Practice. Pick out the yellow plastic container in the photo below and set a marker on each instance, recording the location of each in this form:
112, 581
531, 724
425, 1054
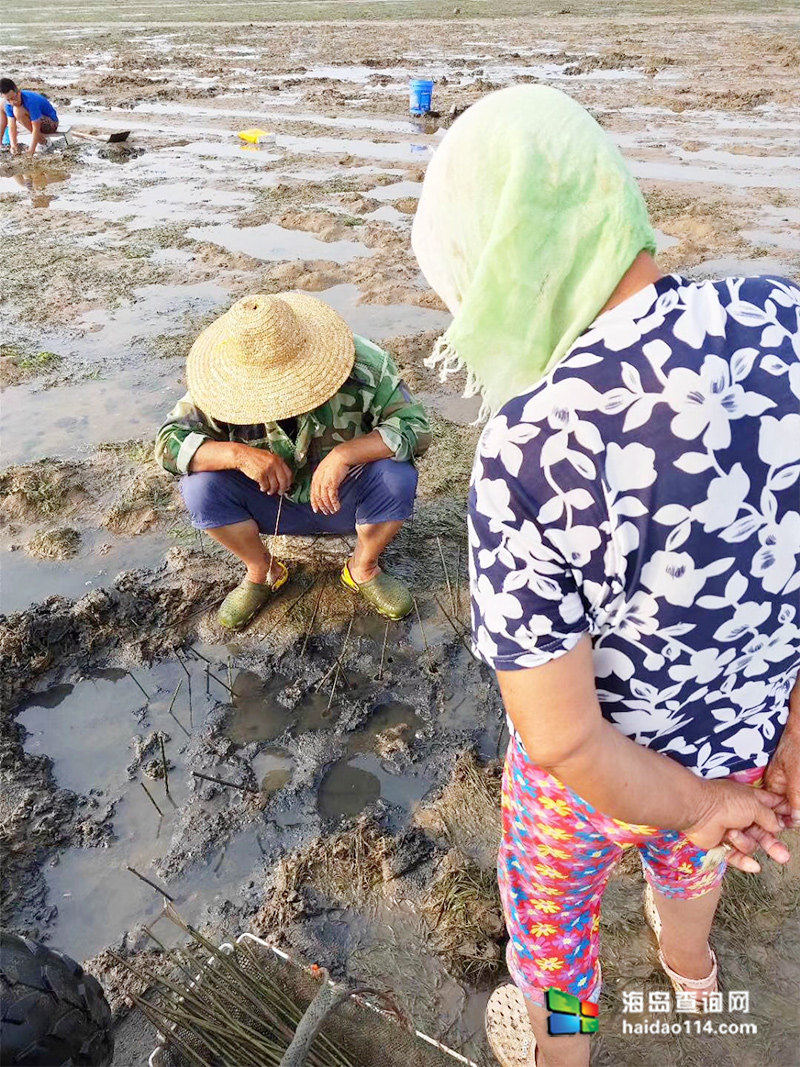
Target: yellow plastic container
256, 136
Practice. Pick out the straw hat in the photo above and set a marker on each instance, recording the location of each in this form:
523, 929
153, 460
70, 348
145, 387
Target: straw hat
268, 358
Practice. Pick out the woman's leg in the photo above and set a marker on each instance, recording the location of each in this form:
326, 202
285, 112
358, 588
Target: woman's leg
685, 927
553, 868
686, 893
563, 1050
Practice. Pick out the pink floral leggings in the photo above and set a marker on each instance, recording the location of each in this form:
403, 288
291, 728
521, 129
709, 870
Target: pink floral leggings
556, 856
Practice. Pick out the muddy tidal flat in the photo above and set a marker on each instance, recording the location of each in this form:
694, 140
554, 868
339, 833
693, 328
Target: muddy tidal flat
361, 828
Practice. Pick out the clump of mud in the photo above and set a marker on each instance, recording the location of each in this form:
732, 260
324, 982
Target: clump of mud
148, 613
39, 489
63, 543
142, 501
17, 365
345, 868
467, 812
464, 911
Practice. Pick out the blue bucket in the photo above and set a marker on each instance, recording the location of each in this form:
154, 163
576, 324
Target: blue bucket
420, 96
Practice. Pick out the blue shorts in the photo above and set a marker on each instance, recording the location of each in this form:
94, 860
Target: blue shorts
382, 491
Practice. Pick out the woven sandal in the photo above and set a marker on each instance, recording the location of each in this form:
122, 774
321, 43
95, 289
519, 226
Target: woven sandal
701, 987
508, 1028
389, 596
244, 602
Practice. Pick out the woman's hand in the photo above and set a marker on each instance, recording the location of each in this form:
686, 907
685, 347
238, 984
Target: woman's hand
271, 473
783, 770
325, 483
742, 817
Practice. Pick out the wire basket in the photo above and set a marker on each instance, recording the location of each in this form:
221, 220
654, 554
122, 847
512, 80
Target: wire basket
366, 1032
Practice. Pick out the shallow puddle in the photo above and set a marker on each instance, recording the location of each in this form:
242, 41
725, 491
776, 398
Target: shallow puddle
381, 321
122, 395
150, 311
101, 714
257, 714
98, 899
96, 896
387, 213
395, 716
273, 769
741, 179
102, 556
737, 268
401, 151
155, 205
664, 241
353, 784
68, 421
786, 240
395, 191
271, 243
35, 183
346, 790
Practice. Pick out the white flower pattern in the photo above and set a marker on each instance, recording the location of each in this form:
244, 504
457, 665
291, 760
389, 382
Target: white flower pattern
647, 493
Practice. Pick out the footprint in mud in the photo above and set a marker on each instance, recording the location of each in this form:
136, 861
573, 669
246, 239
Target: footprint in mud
257, 714
346, 790
360, 778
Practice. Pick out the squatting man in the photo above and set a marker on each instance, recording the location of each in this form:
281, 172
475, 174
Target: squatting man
293, 425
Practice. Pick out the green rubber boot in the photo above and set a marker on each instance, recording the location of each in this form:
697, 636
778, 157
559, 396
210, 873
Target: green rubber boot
244, 602
389, 596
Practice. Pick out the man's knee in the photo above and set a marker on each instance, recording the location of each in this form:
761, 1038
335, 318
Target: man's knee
202, 492
398, 479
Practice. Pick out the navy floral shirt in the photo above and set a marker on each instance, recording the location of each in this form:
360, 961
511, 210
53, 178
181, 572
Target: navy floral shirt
647, 492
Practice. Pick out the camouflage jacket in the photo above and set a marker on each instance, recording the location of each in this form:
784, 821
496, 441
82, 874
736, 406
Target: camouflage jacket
374, 397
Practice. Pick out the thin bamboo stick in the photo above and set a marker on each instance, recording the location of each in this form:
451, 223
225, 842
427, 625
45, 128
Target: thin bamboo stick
152, 885
152, 799
459, 634
222, 781
444, 568
136, 682
164, 761
383, 651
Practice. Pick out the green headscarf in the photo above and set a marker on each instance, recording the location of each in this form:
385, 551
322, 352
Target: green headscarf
527, 222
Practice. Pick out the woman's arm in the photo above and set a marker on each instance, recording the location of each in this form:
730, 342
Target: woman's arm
555, 710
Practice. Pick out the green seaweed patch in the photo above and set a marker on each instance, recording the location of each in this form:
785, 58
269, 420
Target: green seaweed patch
18, 365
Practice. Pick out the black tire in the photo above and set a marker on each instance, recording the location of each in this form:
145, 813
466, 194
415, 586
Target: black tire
52, 1014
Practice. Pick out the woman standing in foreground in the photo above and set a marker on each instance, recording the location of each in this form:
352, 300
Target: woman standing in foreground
634, 531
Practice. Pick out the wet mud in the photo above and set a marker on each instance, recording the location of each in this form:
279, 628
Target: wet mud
355, 826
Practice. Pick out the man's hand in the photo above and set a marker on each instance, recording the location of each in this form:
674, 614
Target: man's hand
328, 476
271, 473
741, 816
783, 770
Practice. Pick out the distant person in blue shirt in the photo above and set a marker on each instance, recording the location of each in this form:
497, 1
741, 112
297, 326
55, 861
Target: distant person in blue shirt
31, 110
